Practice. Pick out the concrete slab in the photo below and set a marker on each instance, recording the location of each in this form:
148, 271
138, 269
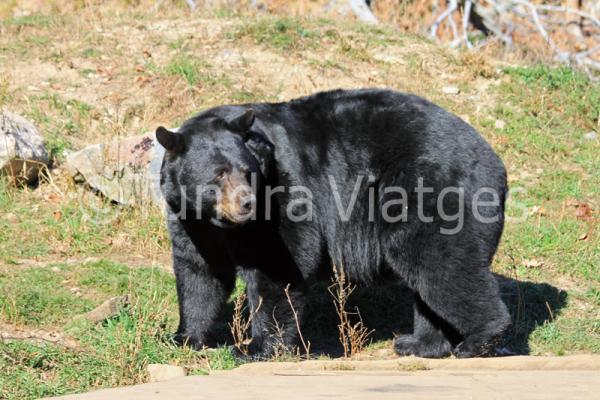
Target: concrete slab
389, 379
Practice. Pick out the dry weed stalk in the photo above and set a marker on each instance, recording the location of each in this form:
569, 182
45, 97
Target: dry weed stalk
240, 326
279, 348
353, 336
305, 344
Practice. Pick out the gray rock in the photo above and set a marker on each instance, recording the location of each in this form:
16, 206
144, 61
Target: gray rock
22, 151
126, 170
110, 308
164, 372
590, 136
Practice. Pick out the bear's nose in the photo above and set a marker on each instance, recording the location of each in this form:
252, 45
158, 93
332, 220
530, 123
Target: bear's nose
246, 204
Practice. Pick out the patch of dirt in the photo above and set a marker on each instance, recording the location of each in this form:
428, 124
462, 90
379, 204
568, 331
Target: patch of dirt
131, 260
126, 85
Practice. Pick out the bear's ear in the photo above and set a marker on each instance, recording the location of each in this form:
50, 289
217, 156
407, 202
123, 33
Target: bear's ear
241, 123
166, 138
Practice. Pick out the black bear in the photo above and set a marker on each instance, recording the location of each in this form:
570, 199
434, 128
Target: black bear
373, 181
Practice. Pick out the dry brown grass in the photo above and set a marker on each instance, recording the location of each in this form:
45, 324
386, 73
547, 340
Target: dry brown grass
117, 64
240, 325
353, 334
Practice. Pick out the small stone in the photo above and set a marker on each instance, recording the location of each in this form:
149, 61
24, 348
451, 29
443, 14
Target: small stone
499, 124
22, 151
55, 269
590, 136
164, 372
450, 90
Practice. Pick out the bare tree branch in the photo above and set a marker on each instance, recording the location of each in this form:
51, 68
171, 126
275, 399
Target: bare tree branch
452, 6
465, 23
362, 11
505, 19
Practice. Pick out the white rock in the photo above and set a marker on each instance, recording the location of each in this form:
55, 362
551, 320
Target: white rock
590, 136
164, 372
22, 150
499, 124
450, 90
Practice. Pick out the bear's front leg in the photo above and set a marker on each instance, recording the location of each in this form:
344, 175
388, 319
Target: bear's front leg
202, 290
274, 323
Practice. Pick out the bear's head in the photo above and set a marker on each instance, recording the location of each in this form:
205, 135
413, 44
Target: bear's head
214, 166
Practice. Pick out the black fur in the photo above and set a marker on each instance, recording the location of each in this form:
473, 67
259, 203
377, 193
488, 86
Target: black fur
390, 138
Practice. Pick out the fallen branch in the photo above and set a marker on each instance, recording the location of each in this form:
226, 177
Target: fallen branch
8, 334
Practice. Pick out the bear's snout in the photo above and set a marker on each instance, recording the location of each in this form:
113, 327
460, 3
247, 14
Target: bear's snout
236, 200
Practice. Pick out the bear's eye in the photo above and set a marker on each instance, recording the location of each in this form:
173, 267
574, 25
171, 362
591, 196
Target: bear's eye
220, 174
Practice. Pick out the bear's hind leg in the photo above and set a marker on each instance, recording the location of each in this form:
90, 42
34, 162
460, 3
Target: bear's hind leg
428, 339
468, 300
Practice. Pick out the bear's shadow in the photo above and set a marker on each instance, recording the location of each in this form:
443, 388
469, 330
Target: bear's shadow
386, 309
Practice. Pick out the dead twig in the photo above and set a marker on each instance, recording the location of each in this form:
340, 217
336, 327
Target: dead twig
280, 347
305, 344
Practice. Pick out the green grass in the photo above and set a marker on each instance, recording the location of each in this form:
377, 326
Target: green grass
44, 302
90, 52
112, 353
81, 224
196, 72
547, 111
187, 67
33, 20
68, 121
280, 33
